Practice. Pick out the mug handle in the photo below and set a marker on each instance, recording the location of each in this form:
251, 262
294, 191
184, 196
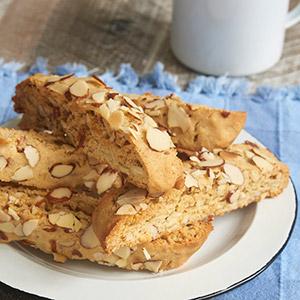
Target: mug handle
293, 17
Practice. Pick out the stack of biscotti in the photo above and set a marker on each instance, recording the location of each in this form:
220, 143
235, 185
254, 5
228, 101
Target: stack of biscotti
156, 167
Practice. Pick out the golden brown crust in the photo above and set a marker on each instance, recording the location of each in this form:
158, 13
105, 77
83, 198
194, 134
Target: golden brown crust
193, 126
25, 215
107, 125
241, 175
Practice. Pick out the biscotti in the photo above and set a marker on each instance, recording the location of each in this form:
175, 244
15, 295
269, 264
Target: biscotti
41, 160
64, 230
108, 126
214, 184
193, 126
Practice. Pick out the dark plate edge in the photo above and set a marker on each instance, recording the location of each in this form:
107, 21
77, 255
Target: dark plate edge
252, 276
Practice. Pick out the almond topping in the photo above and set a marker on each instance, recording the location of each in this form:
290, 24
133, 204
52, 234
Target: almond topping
235, 174
158, 140
92, 175
153, 266
228, 155
60, 194
234, 197
32, 155
7, 227
13, 213
123, 252
79, 89
89, 239
99, 97
106, 181
121, 263
217, 162
146, 254
113, 105
65, 220
104, 111
30, 226
61, 170
23, 173
116, 119
190, 181
19, 230
177, 117
130, 102
89, 184
3, 163
136, 266
262, 164
133, 196
126, 209
264, 153
4, 217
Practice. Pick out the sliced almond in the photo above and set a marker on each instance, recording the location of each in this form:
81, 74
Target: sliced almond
146, 254
136, 266
89, 184
104, 111
234, 197
7, 227
213, 163
79, 89
149, 122
13, 214
3, 163
32, 155
123, 252
153, 266
157, 104
129, 102
106, 181
262, 164
60, 194
177, 117
116, 119
206, 155
19, 230
23, 173
92, 175
264, 153
227, 155
113, 105
194, 159
89, 239
4, 217
99, 97
190, 181
61, 170
66, 221
30, 226
126, 209
53, 218
235, 174
133, 196
121, 263
249, 154
158, 140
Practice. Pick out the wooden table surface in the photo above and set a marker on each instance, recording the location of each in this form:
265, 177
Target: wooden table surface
104, 33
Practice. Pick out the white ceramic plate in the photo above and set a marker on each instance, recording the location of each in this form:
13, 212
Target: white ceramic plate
242, 245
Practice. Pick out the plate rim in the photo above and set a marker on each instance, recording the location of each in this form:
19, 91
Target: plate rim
266, 266
240, 282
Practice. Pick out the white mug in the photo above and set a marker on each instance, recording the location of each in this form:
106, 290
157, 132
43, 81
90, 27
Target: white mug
234, 37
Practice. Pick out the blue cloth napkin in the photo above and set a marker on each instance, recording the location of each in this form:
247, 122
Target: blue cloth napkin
273, 117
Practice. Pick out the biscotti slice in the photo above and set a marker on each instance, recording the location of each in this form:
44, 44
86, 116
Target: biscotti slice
64, 230
107, 125
41, 160
214, 183
193, 126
